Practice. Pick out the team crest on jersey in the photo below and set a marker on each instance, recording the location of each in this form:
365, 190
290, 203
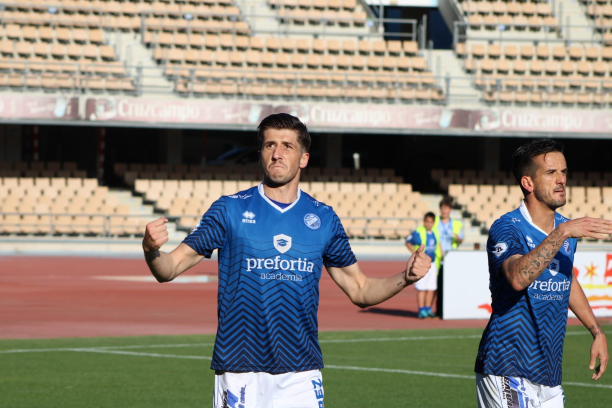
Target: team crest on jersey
312, 221
282, 243
530, 243
499, 248
566, 246
553, 267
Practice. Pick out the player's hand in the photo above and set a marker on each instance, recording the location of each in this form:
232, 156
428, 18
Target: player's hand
418, 265
587, 227
599, 350
156, 235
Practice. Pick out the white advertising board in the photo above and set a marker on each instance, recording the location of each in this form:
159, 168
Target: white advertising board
466, 283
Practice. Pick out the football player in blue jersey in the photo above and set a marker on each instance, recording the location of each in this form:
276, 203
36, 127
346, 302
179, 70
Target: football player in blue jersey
273, 241
531, 253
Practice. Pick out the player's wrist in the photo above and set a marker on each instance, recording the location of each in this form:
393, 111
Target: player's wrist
563, 231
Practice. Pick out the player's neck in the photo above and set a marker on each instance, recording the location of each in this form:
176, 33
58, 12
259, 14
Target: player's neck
541, 214
286, 194
445, 220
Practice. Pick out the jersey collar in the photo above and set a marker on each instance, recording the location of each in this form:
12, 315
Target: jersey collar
283, 210
525, 213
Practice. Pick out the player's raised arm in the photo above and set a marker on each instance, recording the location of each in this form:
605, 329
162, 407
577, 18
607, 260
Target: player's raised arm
365, 291
522, 270
166, 266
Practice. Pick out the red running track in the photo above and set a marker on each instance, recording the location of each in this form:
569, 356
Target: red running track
51, 297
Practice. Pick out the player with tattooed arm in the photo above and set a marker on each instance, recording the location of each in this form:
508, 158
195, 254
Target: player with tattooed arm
531, 255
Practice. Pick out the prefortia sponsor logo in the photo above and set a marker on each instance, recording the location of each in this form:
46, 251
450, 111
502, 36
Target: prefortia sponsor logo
551, 286
277, 264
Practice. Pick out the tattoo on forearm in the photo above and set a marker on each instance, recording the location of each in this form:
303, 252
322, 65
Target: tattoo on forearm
533, 264
596, 330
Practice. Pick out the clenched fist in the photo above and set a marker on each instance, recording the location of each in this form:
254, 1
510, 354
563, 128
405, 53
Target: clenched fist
156, 235
418, 265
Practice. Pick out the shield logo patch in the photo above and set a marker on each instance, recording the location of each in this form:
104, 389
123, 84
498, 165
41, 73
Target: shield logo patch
553, 267
282, 243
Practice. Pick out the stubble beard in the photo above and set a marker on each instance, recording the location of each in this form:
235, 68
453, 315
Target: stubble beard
278, 180
548, 198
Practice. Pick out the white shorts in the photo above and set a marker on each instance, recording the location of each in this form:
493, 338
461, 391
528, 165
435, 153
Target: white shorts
514, 392
263, 390
429, 281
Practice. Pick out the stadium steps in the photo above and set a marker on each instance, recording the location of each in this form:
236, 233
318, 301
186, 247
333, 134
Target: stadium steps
472, 234
461, 91
266, 17
131, 50
137, 207
573, 11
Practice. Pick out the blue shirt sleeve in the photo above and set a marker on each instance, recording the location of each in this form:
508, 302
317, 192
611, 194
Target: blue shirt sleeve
338, 252
209, 234
504, 241
414, 238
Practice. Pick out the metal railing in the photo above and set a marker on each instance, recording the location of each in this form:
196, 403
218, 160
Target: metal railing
101, 225
499, 33
105, 227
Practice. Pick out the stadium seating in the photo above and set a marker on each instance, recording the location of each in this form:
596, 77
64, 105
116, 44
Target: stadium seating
60, 48
486, 203
363, 70
130, 173
41, 169
578, 75
600, 12
445, 178
211, 53
376, 210
63, 206
518, 16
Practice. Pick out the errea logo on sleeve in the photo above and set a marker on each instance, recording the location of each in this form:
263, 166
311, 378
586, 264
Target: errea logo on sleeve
498, 249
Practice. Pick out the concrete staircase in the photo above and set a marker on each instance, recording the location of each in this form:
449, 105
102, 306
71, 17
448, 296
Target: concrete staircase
444, 63
137, 207
573, 13
472, 235
266, 16
130, 49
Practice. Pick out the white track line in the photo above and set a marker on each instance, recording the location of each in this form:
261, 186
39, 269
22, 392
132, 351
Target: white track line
333, 367
364, 340
132, 353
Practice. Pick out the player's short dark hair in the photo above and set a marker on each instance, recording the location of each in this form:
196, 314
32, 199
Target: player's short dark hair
285, 121
522, 159
446, 200
430, 215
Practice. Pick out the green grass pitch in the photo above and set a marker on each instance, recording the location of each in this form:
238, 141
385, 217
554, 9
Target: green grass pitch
407, 368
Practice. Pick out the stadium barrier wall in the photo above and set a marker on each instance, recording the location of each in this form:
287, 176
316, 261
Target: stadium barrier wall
466, 283
122, 111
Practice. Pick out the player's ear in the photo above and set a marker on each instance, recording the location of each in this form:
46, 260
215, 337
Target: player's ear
527, 184
304, 160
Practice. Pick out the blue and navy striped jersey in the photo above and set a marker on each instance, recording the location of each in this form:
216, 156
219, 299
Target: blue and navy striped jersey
270, 264
524, 337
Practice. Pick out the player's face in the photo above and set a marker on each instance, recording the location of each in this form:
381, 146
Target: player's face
281, 156
550, 178
429, 223
445, 211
